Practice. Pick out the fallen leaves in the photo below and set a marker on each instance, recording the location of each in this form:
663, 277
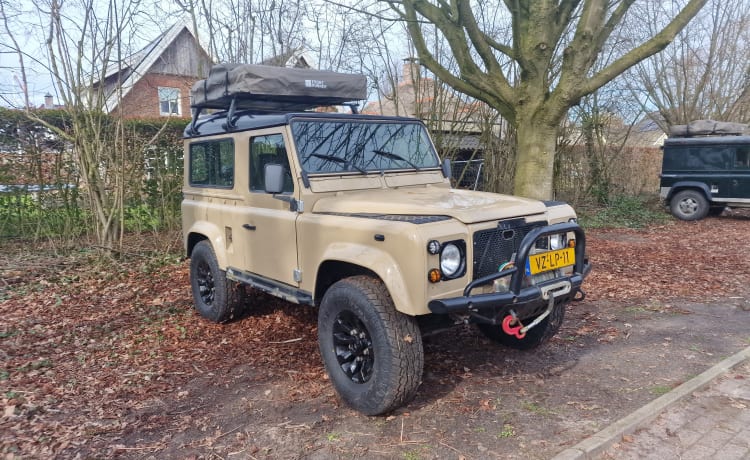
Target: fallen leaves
692, 261
86, 343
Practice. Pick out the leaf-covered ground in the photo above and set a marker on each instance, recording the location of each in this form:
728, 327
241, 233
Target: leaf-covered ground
102, 359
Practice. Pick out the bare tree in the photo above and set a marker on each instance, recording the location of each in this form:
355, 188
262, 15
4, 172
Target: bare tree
704, 72
16, 49
536, 72
248, 31
83, 39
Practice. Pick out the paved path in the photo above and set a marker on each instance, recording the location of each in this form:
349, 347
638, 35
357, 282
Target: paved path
706, 417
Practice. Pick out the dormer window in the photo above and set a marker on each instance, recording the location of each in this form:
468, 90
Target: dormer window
169, 101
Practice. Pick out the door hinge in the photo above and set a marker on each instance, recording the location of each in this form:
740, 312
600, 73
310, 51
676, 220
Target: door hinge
297, 275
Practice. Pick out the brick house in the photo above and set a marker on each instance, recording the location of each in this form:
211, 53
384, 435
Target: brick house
155, 81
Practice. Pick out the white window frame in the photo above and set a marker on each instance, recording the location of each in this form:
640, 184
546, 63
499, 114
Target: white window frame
175, 107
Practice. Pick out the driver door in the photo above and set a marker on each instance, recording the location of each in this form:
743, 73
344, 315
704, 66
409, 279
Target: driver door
268, 229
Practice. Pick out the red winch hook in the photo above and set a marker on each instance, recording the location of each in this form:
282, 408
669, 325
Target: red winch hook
513, 330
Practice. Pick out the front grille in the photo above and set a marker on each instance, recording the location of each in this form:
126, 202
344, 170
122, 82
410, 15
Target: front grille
495, 246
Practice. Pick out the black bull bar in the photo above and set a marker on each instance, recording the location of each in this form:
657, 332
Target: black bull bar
517, 295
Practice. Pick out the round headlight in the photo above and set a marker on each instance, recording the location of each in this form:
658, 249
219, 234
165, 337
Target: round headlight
557, 241
450, 260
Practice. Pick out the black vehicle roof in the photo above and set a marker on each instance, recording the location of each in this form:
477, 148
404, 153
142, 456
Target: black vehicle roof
706, 140
243, 120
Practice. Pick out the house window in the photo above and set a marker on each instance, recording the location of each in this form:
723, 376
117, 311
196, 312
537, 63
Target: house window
169, 101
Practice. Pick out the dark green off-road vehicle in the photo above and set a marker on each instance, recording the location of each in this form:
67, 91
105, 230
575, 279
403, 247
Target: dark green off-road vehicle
703, 174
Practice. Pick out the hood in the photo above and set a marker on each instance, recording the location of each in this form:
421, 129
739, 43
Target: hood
465, 205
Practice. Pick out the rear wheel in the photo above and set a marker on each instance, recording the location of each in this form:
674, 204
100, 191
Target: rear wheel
534, 337
372, 353
216, 298
689, 205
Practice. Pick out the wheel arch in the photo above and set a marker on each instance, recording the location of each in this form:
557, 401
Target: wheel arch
689, 185
331, 271
371, 263
205, 231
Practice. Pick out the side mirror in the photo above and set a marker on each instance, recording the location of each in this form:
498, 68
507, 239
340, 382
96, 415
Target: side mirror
447, 172
274, 178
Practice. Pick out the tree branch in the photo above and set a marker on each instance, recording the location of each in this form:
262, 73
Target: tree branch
660, 41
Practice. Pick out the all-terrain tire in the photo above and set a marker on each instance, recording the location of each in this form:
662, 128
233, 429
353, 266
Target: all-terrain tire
689, 205
216, 298
372, 353
534, 337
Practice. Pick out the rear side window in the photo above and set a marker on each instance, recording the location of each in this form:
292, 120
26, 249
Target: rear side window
742, 158
708, 158
212, 164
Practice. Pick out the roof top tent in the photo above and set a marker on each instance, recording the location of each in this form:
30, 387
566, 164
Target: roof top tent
700, 128
267, 89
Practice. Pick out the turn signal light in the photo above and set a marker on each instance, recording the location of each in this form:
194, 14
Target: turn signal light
571, 243
433, 275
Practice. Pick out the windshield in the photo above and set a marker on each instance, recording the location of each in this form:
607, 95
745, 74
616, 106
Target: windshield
362, 146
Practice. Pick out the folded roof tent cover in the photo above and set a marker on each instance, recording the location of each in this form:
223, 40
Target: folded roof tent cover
709, 128
274, 89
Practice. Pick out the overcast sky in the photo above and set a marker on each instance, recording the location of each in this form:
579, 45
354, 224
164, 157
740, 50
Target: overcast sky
29, 27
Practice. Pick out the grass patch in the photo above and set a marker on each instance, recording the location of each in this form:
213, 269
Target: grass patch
535, 408
507, 432
660, 389
624, 211
9, 333
411, 455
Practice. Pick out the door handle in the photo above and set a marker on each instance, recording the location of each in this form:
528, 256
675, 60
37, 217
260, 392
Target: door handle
248, 227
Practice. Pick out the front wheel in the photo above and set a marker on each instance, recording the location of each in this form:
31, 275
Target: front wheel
689, 205
534, 337
372, 353
216, 298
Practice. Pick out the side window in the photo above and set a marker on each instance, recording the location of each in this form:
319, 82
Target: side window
742, 158
212, 164
710, 158
268, 150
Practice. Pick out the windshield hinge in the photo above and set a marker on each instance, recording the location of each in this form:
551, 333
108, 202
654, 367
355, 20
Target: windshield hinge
294, 204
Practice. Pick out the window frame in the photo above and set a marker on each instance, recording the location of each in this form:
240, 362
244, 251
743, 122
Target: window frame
251, 160
230, 142
177, 101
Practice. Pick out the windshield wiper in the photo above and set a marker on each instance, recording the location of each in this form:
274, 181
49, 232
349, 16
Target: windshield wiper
394, 156
348, 164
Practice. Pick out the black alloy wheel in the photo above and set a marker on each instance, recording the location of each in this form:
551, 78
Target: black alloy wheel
373, 353
216, 298
353, 346
205, 280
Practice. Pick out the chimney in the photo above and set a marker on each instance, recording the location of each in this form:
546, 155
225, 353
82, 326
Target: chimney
48, 104
411, 70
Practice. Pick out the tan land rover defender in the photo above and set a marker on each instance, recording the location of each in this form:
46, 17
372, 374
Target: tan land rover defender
355, 215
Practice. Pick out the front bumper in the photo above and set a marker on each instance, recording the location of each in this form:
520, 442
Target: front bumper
523, 301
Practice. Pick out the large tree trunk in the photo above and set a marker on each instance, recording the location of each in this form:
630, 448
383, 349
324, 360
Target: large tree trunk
535, 159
